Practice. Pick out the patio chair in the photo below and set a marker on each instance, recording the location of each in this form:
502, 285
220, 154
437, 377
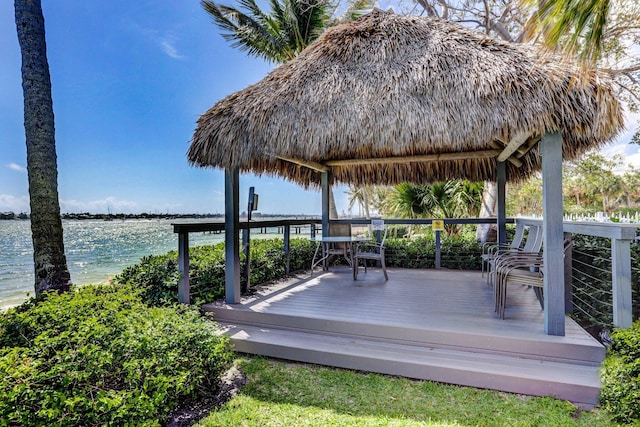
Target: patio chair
533, 244
491, 249
526, 269
373, 251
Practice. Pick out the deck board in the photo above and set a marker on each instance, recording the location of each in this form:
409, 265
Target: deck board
430, 299
428, 324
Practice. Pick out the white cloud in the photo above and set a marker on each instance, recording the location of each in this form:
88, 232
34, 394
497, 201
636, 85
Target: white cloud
16, 167
9, 203
166, 41
109, 204
169, 48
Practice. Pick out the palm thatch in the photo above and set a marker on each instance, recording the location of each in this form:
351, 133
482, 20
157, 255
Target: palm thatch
390, 98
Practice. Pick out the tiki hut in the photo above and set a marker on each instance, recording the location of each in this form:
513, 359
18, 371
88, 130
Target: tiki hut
390, 98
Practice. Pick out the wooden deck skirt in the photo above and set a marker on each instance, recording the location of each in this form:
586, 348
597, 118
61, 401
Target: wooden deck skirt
427, 324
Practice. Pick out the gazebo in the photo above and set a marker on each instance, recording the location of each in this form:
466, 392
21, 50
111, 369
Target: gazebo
391, 98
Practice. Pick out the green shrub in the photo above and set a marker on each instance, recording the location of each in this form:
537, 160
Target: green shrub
98, 355
621, 376
157, 276
456, 252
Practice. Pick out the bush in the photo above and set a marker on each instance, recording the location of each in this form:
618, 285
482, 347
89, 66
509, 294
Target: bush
621, 376
157, 276
456, 252
98, 355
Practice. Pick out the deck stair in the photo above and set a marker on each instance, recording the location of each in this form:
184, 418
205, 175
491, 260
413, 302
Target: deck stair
293, 321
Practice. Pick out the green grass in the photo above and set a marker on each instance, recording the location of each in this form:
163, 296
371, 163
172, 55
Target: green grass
290, 394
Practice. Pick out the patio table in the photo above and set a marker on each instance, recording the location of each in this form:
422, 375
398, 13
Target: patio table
324, 242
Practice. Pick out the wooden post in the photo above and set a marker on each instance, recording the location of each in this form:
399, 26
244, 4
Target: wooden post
246, 245
554, 316
183, 267
438, 255
501, 202
621, 278
324, 182
231, 240
287, 237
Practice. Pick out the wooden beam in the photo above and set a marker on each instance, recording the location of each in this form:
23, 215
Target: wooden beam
410, 159
513, 145
531, 142
306, 163
511, 160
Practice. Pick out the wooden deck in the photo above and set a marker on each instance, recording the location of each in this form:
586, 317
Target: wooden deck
427, 324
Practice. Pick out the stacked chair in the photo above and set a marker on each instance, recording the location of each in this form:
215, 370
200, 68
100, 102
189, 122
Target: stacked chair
532, 244
525, 268
491, 250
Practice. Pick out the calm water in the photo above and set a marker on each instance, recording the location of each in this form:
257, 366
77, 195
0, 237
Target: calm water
96, 251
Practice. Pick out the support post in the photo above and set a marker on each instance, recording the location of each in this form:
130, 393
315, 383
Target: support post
324, 182
287, 238
183, 267
438, 254
621, 278
246, 245
231, 239
554, 303
501, 202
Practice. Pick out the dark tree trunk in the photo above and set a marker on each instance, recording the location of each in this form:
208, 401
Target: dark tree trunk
50, 263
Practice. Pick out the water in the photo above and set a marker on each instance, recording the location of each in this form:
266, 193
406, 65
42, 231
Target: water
96, 251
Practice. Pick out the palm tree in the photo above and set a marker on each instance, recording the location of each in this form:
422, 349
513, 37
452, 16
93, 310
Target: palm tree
576, 26
50, 263
451, 199
281, 34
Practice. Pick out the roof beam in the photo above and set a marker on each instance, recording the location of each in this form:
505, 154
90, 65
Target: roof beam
513, 145
410, 159
306, 163
512, 160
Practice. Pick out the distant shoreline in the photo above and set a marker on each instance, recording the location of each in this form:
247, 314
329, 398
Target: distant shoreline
122, 216
109, 217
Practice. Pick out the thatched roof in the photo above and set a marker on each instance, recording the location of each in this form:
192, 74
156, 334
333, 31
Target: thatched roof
390, 98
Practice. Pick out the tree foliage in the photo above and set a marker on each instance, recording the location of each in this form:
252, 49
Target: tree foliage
281, 33
593, 184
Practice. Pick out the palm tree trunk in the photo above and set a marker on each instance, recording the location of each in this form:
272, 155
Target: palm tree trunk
50, 263
488, 208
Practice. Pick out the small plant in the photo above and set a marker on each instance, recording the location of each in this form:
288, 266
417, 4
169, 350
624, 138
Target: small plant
98, 355
621, 376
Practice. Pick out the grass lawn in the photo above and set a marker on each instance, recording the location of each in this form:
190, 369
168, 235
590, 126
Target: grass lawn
280, 393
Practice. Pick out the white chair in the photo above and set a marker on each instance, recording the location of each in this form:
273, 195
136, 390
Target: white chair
373, 251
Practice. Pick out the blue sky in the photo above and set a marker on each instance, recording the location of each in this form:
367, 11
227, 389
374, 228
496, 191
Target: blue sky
129, 79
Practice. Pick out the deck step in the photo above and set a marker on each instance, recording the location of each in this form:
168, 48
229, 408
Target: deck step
553, 349
577, 383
